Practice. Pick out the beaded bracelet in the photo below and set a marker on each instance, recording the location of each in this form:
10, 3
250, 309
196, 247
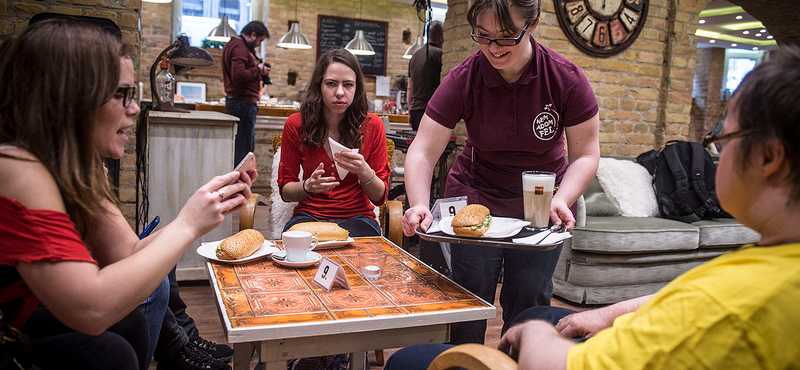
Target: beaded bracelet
370, 179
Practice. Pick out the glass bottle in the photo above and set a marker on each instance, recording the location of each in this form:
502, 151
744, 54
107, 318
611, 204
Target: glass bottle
165, 83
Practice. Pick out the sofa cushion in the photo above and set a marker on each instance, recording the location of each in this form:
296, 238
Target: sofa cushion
724, 233
629, 186
597, 202
602, 295
627, 235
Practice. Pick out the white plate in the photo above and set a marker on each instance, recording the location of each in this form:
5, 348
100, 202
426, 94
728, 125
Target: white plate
334, 244
311, 259
501, 227
209, 250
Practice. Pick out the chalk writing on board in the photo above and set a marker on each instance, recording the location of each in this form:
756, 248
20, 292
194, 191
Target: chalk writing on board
336, 32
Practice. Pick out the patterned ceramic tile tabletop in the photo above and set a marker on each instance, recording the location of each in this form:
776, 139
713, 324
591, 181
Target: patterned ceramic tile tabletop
263, 293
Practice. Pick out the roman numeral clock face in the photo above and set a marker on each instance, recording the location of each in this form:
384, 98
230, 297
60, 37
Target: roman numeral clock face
602, 28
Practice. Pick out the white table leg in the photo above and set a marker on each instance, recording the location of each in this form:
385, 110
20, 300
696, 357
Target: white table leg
358, 361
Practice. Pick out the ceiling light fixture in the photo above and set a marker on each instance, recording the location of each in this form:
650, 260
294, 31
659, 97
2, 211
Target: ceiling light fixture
158, 1
734, 45
758, 35
770, 37
294, 39
746, 32
755, 48
223, 32
763, 31
418, 44
739, 17
359, 44
702, 21
712, 41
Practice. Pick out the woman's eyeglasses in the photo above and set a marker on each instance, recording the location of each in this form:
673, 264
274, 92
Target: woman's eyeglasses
720, 139
127, 92
483, 40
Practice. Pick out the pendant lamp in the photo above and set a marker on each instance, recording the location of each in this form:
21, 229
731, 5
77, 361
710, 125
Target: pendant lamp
158, 1
223, 32
359, 45
413, 48
294, 39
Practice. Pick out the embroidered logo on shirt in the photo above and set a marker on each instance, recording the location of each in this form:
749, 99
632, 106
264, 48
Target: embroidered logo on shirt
545, 125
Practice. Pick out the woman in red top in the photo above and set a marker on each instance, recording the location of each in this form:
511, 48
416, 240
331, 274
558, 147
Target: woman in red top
335, 107
63, 240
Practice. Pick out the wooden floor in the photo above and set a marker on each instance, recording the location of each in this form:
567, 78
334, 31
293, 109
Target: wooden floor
200, 301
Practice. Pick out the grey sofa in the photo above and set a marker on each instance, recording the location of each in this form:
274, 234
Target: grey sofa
613, 258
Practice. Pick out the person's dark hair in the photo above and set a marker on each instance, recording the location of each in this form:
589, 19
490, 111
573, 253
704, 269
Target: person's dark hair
54, 78
766, 100
435, 30
529, 10
314, 130
255, 26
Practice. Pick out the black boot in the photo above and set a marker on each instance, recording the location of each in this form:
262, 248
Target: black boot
220, 352
190, 357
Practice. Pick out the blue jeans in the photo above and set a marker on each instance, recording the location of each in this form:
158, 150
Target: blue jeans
246, 131
421, 355
527, 282
177, 327
153, 309
358, 225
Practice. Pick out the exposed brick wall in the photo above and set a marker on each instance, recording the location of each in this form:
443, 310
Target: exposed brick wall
14, 17
707, 103
644, 93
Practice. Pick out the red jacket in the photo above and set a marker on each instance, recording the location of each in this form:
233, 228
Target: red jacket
240, 72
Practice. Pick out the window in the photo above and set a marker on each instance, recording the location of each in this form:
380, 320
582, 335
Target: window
199, 17
738, 63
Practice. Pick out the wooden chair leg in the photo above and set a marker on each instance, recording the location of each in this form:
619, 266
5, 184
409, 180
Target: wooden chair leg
379, 357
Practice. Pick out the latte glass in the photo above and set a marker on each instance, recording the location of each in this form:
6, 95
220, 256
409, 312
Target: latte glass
537, 192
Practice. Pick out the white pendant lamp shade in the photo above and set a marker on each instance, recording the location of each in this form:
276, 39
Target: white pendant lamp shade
413, 48
223, 32
359, 45
158, 1
294, 39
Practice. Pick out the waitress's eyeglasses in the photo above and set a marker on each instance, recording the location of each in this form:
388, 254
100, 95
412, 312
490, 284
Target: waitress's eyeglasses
127, 92
483, 40
721, 139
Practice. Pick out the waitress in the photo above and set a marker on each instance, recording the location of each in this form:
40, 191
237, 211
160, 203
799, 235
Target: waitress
520, 102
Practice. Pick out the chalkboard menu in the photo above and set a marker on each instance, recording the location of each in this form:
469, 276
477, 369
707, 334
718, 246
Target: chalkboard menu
336, 32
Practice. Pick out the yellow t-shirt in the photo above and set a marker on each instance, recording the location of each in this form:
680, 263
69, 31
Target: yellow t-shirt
738, 311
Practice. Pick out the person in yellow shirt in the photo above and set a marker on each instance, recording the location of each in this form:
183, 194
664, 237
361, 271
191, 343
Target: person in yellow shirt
737, 311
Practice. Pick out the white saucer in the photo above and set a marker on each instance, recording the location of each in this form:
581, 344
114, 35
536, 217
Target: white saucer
311, 259
209, 250
501, 227
334, 244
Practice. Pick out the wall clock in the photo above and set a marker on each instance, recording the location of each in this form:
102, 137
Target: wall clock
602, 28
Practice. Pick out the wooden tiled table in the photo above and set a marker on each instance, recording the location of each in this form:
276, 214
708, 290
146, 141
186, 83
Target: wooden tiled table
262, 302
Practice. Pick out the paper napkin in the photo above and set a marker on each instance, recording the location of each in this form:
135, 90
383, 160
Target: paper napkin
337, 148
534, 239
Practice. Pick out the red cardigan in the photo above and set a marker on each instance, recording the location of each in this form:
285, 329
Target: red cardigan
348, 199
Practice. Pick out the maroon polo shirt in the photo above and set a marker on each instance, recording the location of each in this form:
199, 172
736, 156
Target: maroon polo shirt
511, 127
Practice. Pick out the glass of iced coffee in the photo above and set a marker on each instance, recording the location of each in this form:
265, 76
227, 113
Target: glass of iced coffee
537, 192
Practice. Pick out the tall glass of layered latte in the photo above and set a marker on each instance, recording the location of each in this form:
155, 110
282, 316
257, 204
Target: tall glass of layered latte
537, 192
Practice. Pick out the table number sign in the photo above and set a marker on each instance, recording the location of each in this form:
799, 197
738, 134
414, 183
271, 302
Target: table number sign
446, 207
330, 272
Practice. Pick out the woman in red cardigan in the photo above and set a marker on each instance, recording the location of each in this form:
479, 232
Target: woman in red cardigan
335, 107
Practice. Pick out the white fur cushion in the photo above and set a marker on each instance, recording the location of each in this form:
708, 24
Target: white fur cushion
280, 212
629, 186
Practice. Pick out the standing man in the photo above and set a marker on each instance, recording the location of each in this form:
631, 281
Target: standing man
242, 73
423, 74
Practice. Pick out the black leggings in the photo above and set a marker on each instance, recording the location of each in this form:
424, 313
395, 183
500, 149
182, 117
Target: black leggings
55, 346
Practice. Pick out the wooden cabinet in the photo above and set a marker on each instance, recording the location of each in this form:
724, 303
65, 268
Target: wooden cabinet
184, 152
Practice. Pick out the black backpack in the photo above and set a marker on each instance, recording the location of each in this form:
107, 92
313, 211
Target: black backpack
683, 179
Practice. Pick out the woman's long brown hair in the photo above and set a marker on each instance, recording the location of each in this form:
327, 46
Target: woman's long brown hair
314, 130
54, 78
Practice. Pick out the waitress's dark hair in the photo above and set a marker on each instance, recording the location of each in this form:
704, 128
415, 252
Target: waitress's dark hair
314, 129
530, 10
766, 100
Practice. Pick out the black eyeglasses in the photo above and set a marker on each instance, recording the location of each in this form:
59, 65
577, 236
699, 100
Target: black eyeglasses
483, 40
127, 92
718, 138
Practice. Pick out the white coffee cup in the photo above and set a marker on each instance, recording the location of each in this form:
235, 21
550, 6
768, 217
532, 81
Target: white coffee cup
297, 244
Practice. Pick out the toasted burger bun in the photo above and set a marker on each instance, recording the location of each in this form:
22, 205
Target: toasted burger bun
324, 231
241, 245
467, 221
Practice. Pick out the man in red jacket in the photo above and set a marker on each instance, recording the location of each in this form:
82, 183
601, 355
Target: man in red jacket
242, 73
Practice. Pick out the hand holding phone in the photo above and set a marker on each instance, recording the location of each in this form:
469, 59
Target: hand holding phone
247, 164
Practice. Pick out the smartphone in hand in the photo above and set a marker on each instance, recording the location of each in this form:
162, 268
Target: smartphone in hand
247, 163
